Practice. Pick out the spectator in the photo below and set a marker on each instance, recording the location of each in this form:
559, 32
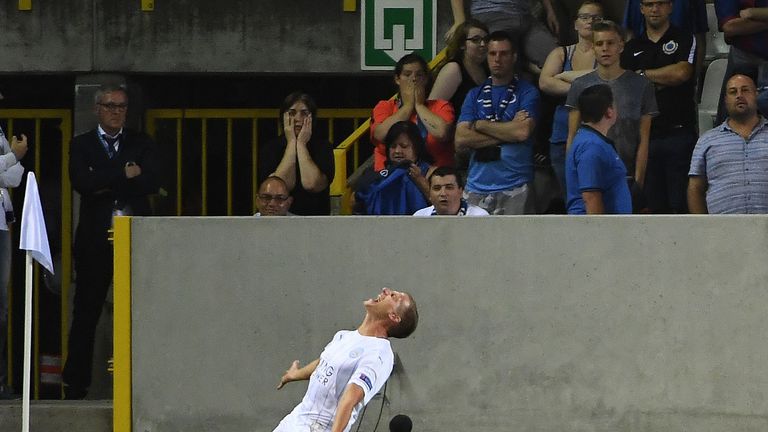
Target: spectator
466, 69
596, 177
467, 66
11, 172
273, 198
729, 168
688, 16
401, 187
745, 24
496, 124
666, 56
515, 18
634, 100
563, 65
446, 187
433, 117
113, 169
400, 423
352, 368
299, 157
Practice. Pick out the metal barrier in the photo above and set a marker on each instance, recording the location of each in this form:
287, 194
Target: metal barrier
205, 134
45, 129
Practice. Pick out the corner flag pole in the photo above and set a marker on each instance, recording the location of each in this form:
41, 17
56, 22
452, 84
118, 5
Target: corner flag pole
34, 239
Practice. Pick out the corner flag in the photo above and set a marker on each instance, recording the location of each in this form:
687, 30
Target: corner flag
34, 237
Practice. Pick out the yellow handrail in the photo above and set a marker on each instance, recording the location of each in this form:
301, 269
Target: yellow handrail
39, 149
226, 145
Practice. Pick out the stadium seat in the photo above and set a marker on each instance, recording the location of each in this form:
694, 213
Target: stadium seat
716, 46
710, 95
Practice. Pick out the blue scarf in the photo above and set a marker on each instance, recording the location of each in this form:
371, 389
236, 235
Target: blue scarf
485, 97
393, 193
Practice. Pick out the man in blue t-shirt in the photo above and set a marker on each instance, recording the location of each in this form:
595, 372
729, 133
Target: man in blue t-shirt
496, 123
594, 174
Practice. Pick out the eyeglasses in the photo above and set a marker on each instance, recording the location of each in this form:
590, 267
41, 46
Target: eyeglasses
113, 107
477, 40
589, 17
651, 4
277, 198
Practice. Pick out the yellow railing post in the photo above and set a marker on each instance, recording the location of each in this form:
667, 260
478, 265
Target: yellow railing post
229, 115
64, 118
121, 410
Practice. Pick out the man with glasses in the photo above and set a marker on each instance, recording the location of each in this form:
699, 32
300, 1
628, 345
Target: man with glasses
666, 56
273, 198
114, 170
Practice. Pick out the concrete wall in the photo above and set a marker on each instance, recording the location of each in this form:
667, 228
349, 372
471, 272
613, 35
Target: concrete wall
302, 36
224, 36
619, 324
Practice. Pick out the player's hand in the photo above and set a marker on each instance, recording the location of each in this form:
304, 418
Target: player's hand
19, 146
292, 374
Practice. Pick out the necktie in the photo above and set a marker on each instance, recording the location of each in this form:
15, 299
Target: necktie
111, 150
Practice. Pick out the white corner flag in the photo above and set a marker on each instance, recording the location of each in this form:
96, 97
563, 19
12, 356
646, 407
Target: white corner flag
34, 237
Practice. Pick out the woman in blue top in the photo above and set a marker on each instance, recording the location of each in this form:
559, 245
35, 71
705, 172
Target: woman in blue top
401, 188
562, 67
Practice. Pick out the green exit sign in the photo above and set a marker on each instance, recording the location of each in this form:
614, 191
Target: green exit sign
391, 29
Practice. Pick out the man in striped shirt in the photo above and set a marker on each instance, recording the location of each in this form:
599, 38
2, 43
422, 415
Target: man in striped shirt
729, 168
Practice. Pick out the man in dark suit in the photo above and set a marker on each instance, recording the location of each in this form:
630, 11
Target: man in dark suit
113, 169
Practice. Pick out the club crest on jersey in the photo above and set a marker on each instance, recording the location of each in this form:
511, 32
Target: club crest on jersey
669, 47
367, 381
384, 172
355, 353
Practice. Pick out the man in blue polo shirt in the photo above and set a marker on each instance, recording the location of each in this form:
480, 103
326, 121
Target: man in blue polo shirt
496, 123
594, 174
729, 167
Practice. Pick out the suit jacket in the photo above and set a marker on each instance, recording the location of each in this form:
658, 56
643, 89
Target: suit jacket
101, 181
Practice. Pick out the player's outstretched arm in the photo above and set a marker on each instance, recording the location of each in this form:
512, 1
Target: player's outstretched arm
352, 396
294, 373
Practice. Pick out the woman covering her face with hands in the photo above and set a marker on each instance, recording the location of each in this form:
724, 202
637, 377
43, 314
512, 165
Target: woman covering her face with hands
300, 157
434, 118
